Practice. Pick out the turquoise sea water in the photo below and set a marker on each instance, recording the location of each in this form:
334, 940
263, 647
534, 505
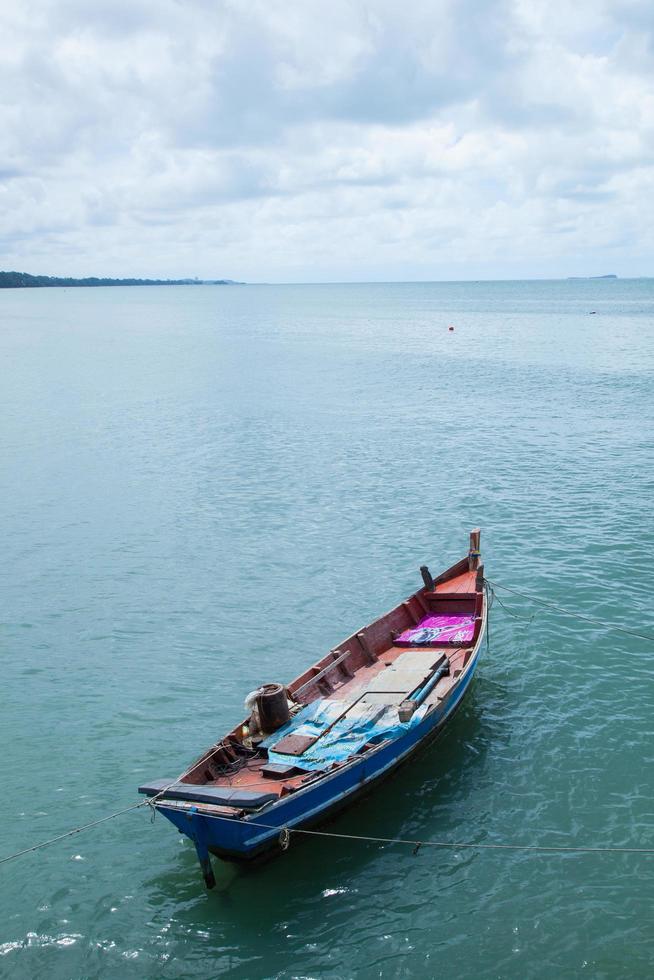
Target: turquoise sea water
204, 488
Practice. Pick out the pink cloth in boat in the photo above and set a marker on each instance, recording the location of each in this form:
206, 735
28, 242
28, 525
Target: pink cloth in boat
441, 629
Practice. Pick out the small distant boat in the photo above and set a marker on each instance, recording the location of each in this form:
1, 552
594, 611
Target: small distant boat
313, 746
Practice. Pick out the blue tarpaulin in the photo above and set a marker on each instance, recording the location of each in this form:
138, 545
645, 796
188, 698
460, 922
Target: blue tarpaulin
363, 723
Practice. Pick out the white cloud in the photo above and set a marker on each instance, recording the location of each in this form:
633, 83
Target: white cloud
314, 140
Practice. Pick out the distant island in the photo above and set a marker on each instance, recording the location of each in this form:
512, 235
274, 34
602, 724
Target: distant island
610, 276
22, 280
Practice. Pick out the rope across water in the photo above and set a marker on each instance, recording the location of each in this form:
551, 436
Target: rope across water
286, 832
569, 612
70, 833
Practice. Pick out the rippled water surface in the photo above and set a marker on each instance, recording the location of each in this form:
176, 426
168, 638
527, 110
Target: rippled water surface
203, 488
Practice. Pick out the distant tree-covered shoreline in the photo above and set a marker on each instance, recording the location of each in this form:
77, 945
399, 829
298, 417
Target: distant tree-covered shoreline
23, 280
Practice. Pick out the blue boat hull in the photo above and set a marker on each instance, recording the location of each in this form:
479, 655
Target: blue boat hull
252, 836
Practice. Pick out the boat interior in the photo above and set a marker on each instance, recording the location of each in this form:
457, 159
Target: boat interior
369, 689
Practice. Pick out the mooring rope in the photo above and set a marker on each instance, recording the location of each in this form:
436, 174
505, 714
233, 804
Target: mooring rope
569, 612
151, 802
492, 596
457, 845
285, 832
70, 833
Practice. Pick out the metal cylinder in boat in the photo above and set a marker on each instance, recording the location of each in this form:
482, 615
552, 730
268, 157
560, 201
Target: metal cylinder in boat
273, 707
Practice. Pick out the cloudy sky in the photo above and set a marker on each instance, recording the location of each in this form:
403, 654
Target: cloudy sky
314, 140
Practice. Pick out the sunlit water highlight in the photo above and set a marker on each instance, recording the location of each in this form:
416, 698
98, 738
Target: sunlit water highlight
175, 456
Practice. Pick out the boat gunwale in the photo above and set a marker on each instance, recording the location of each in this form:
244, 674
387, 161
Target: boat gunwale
250, 818
257, 847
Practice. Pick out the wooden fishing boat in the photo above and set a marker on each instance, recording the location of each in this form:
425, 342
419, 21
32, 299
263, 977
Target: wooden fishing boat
311, 747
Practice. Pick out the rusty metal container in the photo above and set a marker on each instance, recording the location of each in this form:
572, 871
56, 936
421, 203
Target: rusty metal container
272, 706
